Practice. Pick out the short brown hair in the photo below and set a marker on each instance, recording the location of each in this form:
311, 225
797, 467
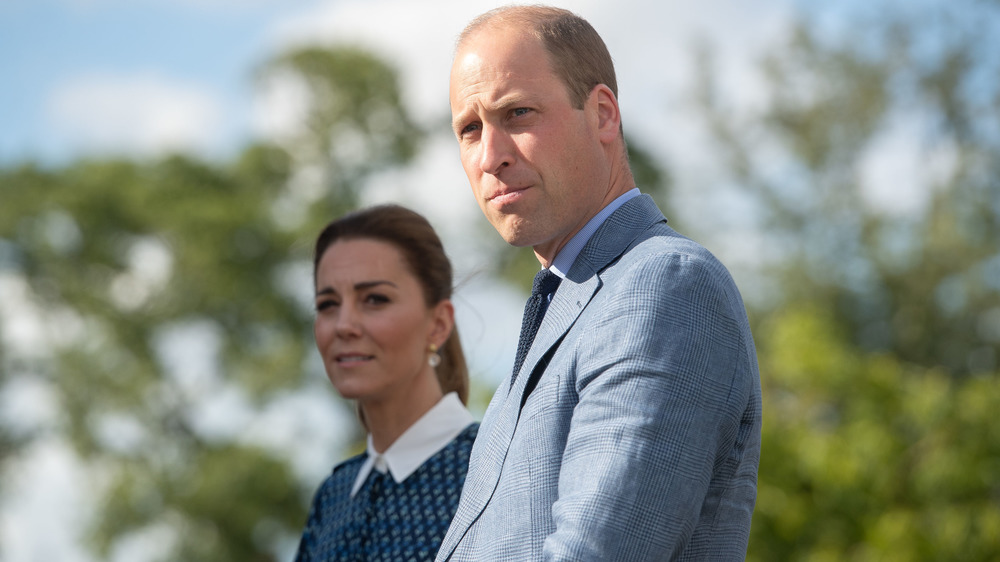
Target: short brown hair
576, 52
414, 237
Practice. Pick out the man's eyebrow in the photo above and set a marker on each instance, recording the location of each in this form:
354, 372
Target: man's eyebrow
501, 105
458, 121
508, 101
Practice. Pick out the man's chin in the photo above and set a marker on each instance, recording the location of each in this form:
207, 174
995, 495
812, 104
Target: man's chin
516, 231
516, 238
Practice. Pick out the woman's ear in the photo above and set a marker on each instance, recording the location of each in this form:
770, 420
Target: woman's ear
442, 322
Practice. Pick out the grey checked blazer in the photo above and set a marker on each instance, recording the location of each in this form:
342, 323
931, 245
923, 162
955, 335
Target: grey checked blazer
641, 439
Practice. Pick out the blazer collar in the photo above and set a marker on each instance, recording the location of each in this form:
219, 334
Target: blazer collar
615, 236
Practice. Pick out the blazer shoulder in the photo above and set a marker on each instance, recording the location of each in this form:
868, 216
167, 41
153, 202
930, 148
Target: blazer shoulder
662, 266
636, 231
662, 247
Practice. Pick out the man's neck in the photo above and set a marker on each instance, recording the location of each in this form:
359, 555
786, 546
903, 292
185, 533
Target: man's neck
562, 258
547, 251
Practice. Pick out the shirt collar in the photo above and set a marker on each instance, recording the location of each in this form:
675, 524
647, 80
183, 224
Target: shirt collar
568, 254
428, 435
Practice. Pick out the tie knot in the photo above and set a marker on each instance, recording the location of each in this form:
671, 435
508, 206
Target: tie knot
545, 283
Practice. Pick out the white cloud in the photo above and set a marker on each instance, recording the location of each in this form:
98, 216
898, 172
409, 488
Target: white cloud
650, 41
416, 37
134, 114
204, 5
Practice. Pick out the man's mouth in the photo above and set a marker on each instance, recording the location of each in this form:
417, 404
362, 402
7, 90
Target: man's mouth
507, 196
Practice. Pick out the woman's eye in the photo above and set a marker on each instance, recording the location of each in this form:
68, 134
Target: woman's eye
376, 298
324, 304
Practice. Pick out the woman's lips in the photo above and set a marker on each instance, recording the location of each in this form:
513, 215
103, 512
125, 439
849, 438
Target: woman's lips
349, 358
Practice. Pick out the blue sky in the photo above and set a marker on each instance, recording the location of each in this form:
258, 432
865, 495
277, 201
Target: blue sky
48, 45
61, 61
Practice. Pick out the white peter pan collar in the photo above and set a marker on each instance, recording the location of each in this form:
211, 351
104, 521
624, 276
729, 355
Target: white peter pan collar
428, 435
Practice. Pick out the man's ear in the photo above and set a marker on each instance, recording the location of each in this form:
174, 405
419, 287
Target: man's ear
609, 119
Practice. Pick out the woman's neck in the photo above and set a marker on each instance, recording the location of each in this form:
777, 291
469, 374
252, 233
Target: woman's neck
388, 419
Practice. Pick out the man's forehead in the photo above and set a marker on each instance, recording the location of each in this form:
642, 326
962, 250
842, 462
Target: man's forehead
491, 87
494, 30
503, 59
497, 41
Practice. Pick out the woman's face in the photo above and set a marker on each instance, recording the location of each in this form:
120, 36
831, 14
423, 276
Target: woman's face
373, 327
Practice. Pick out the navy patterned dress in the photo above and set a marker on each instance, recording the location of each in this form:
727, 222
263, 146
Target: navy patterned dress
387, 521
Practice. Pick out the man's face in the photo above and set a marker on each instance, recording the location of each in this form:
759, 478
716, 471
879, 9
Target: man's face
534, 161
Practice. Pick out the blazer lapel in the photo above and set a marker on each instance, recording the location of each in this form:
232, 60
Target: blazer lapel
583, 281
569, 301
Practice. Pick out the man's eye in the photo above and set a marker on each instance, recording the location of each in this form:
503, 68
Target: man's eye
520, 111
470, 128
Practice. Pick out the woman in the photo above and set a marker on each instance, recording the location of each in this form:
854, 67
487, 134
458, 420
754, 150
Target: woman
385, 329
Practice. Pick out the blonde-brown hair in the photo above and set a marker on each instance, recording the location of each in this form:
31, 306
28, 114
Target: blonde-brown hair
576, 52
414, 237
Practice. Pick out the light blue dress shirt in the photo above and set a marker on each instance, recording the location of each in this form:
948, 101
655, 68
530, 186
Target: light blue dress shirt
567, 255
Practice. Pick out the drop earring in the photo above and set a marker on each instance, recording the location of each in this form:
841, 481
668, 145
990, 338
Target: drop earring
434, 359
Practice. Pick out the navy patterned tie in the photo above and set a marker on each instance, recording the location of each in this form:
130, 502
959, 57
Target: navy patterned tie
545, 284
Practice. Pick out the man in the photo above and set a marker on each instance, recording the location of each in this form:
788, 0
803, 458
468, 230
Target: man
632, 429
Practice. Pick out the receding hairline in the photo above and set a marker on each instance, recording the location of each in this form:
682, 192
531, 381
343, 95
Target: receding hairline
575, 50
529, 16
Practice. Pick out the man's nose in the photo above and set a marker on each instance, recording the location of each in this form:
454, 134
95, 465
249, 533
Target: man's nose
497, 150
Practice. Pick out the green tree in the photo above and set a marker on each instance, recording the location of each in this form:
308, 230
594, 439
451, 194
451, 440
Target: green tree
116, 253
895, 99
123, 257
866, 457
878, 338
355, 123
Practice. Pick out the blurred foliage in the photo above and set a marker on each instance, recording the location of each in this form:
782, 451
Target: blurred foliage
117, 255
12, 440
872, 164
356, 122
865, 457
128, 264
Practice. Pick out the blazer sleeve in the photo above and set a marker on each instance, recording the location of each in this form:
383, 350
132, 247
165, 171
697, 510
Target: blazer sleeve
663, 381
